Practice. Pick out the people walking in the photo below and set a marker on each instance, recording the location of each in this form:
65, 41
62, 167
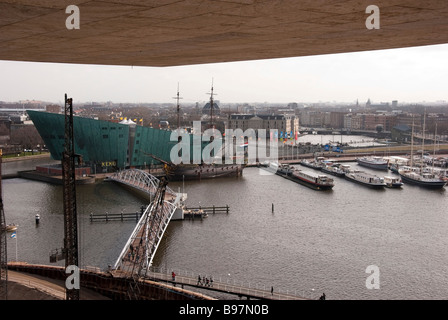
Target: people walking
272, 290
199, 280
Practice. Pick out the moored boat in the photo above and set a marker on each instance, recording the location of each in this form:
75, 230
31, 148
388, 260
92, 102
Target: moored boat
393, 182
373, 162
284, 169
427, 180
394, 167
366, 179
333, 169
315, 164
421, 176
313, 180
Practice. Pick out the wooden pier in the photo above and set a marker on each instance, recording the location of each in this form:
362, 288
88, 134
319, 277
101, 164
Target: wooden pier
123, 216
189, 213
212, 209
203, 212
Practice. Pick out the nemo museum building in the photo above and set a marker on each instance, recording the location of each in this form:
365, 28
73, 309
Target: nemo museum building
104, 146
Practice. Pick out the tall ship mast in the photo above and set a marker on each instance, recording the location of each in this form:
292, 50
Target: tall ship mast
417, 175
178, 107
212, 125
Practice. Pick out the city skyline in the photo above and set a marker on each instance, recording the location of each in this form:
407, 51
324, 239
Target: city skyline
414, 74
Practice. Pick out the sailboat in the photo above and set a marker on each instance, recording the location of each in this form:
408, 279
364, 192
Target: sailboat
192, 171
418, 176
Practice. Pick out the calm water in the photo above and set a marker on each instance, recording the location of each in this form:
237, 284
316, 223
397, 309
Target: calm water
313, 240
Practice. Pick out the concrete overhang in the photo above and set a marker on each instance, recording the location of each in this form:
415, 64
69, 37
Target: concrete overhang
183, 32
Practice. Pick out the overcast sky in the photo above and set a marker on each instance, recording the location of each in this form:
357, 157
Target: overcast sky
407, 75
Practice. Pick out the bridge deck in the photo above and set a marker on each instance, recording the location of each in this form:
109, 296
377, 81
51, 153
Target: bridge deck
250, 292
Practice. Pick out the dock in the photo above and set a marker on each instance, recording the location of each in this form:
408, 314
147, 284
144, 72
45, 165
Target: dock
212, 209
203, 212
123, 216
188, 213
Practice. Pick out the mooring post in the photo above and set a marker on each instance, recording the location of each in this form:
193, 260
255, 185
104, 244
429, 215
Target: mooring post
227, 208
272, 207
213, 209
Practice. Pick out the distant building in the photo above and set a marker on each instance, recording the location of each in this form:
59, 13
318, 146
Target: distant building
370, 121
53, 108
401, 133
206, 109
312, 118
283, 123
381, 105
337, 119
394, 103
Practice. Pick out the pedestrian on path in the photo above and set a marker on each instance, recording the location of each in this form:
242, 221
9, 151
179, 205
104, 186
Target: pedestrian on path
272, 290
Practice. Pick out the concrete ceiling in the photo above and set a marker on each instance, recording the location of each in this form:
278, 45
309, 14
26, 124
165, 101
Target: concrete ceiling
182, 32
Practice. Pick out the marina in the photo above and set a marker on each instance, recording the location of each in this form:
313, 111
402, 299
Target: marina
296, 246
132, 198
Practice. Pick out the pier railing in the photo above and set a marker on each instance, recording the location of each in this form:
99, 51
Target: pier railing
227, 285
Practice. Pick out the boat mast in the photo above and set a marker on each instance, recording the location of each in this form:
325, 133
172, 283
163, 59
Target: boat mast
212, 126
423, 143
178, 117
412, 143
178, 107
434, 151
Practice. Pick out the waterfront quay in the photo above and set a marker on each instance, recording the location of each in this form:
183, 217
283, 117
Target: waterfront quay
48, 281
310, 243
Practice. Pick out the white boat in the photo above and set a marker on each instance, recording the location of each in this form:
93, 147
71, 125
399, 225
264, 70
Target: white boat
423, 179
313, 180
419, 176
373, 162
316, 164
365, 178
333, 169
393, 182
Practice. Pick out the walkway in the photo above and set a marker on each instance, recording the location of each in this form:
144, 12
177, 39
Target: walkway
251, 292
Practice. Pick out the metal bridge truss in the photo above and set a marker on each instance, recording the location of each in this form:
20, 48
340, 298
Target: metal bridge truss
139, 251
141, 180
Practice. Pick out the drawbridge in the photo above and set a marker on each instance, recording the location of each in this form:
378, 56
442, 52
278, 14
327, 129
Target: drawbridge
137, 255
